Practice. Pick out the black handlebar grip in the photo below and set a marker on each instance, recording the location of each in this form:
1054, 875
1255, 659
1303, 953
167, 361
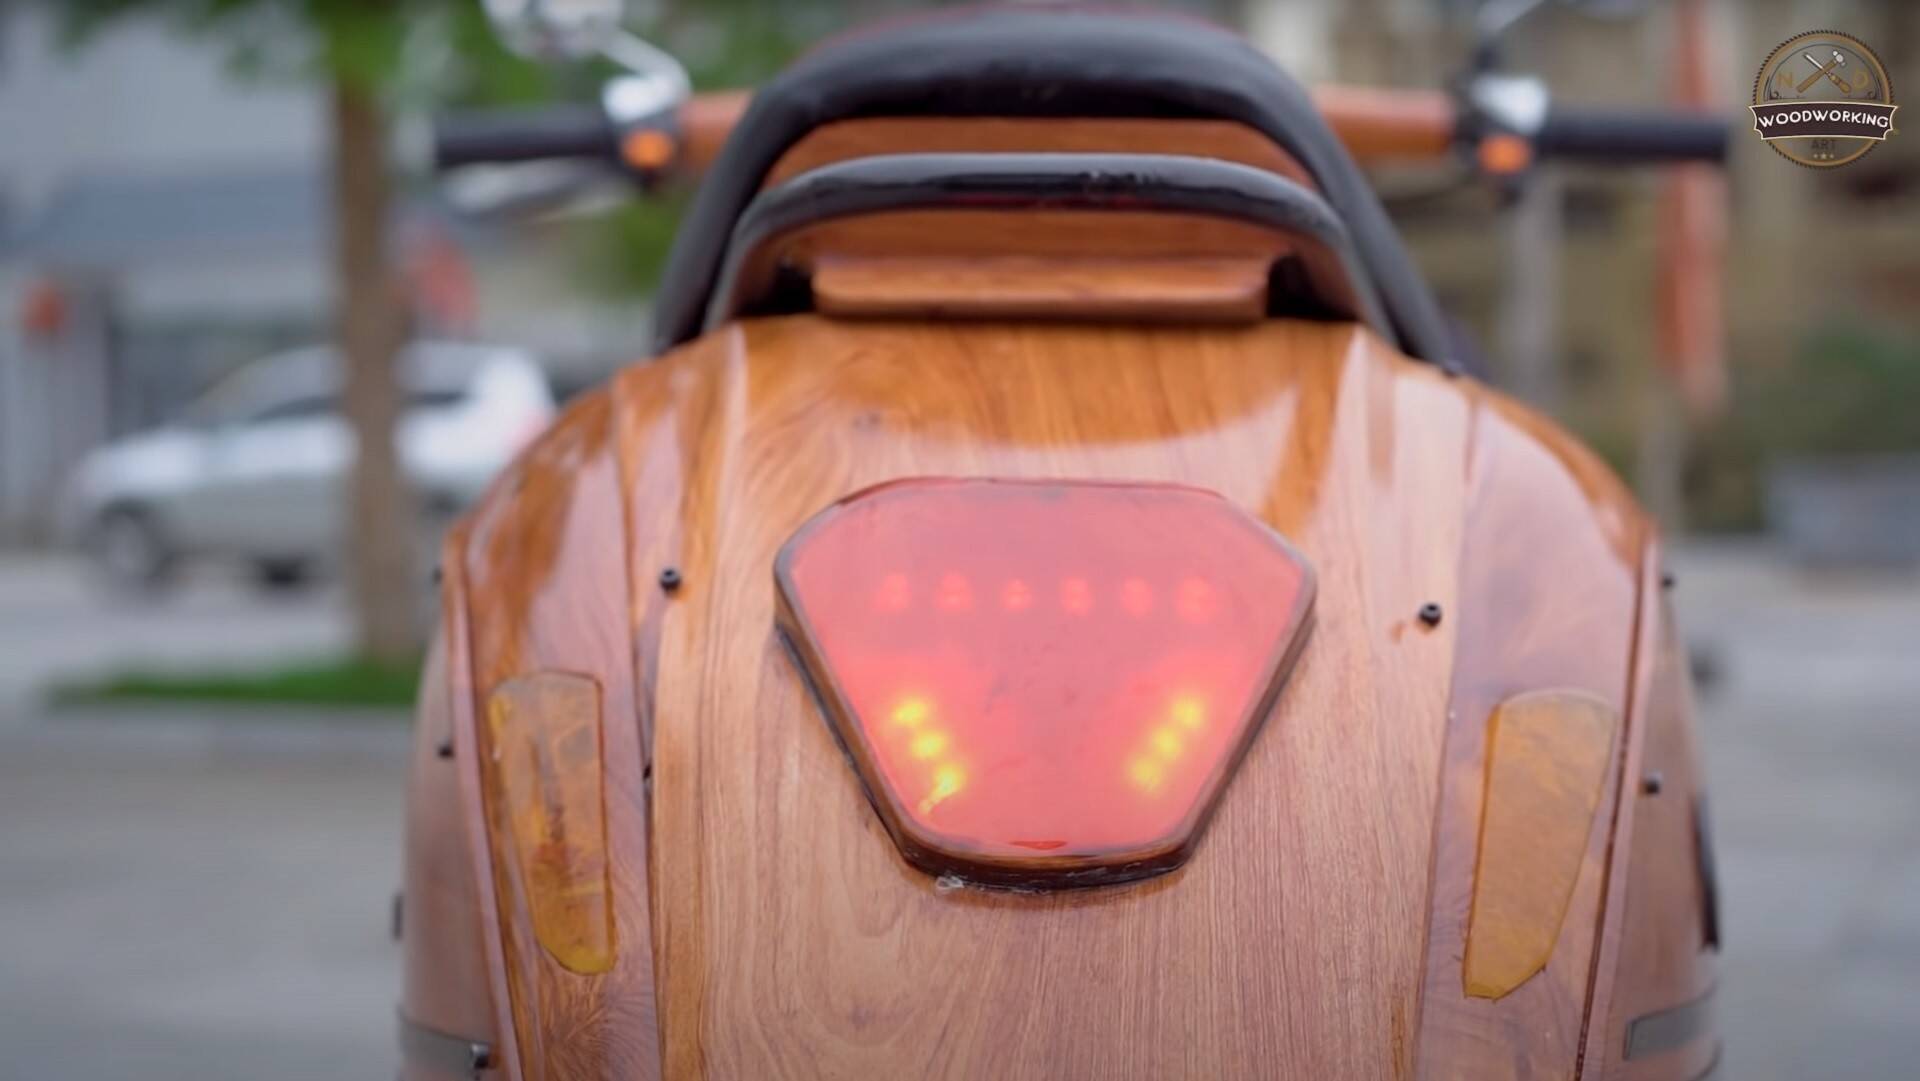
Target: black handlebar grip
1627, 137
536, 134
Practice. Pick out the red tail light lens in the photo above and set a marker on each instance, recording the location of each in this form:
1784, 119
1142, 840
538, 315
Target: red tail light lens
1043, 683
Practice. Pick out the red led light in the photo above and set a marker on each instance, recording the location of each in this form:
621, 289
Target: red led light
1024, 742
1017, 596
894, 594
1076, 596
955, 593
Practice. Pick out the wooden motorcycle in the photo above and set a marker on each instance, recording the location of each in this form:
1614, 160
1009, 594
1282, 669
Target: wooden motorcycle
1057, 603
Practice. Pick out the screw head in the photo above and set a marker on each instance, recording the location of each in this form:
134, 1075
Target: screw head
670, 579
1652, 783
1667, 579
1430, 614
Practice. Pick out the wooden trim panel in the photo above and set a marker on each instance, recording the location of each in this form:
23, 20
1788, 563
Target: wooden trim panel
795, 941
1549, 582
767, 927
1223, 290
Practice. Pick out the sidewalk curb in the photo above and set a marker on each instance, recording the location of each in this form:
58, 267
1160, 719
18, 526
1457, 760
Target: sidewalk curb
219, 729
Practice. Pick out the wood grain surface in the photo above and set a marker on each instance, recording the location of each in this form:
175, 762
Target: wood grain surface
766, 926
445, 984
539, 578
1549, 583
1657, 956
795, 942
1377, 125
1017, 286
1089, 249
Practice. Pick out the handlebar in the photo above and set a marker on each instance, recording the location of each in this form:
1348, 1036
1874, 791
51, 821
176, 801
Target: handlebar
1631, 137
531, 134
1376, 125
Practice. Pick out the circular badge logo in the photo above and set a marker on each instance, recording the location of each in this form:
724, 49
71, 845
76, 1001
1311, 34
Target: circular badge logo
1823, 99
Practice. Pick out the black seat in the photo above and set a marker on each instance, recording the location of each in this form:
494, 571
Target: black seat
1024, 62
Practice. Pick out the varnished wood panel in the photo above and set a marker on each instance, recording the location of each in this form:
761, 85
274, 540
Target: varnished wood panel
1317, 929
1087, 243
1656, 956
794, 940
1376, 125
1549, 582
542, 584
445, 983
1196, 290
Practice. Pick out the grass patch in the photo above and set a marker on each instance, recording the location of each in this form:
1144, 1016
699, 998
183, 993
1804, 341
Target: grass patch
348, 682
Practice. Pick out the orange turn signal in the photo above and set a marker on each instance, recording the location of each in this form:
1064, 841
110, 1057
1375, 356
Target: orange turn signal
545, 765
1547, 755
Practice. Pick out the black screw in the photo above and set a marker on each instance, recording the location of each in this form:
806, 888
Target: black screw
445, 749
436, 574
670, 579
1667, 579
1652, 783
1430, 614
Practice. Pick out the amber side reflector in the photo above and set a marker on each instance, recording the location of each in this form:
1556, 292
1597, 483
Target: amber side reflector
1043, 683
545, 765
1547, 755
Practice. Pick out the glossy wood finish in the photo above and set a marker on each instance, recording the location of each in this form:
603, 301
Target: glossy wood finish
1380, 125
445, 983
1318, 929
1656, 957
1089, 251
537, 576
1166, 289
1377, 126
794, 939
1549, 576
1547, 758
705, 122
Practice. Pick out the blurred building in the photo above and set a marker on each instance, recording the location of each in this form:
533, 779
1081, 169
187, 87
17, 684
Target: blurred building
157, 220
161, 222
1561, 286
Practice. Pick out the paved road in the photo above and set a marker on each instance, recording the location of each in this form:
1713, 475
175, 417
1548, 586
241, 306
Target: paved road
1813, 756
57, 621
178, 902
185, 898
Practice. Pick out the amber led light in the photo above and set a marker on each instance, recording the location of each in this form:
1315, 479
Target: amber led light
1043, 683
544, 734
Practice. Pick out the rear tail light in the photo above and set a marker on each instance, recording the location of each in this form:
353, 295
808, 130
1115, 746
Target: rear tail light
1043, 683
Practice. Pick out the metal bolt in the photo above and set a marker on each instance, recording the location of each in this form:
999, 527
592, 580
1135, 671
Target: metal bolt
445, 749
670, 579
1652, 783
1430, 614
1667, 579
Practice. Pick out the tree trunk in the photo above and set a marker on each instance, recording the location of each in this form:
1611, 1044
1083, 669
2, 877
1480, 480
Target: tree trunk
371, 327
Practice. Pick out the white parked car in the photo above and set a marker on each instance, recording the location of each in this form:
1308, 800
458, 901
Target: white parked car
257, 468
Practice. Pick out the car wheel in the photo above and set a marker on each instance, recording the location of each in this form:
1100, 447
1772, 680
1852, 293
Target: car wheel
129, 551
281, 574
